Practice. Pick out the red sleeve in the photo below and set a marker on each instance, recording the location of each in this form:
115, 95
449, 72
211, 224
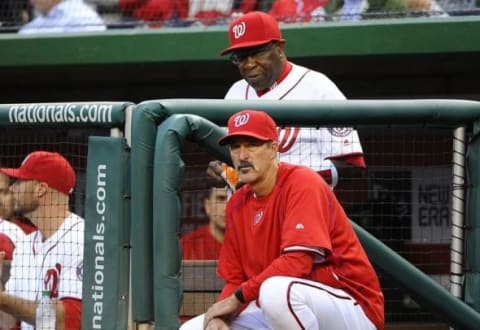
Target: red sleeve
6, 245
227, 290
356, 160
73, 313
294, 264
352, 159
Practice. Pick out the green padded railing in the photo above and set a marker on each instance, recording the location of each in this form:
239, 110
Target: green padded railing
157, 126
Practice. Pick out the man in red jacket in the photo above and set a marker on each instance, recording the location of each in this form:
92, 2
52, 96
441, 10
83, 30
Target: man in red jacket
290, 258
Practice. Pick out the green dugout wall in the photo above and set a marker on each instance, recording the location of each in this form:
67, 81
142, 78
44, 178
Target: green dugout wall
401, 36
160, 126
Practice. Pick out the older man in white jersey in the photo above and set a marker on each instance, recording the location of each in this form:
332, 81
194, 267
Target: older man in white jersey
257, 48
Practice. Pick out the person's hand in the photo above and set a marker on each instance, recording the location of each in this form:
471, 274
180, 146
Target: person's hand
223, 174
217, 324
225, 309
214, 171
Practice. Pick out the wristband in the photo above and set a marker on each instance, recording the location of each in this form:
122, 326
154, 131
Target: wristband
239, 295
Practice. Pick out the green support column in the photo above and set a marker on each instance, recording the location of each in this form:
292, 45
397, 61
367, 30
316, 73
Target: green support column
472, 266
107, 232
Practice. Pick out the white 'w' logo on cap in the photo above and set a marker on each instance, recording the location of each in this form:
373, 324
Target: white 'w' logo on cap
239, 30
241, 119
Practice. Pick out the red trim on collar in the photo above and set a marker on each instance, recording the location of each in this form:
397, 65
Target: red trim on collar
287, 67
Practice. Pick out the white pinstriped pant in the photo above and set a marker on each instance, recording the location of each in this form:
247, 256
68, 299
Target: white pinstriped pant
291, 303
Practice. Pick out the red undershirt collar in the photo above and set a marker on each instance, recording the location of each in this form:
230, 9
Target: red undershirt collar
287, 67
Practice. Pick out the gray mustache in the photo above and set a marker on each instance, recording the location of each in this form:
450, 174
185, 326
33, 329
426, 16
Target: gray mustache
244, 164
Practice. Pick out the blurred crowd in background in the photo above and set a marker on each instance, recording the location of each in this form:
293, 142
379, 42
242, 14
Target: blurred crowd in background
33, 16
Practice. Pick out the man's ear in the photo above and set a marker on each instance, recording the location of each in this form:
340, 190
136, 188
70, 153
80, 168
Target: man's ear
42, 189
283, 46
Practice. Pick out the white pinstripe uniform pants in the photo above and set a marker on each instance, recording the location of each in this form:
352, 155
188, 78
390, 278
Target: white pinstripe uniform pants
292, 303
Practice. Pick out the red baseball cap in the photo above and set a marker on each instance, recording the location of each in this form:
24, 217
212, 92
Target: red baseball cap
252, 29
44, 166
252, 123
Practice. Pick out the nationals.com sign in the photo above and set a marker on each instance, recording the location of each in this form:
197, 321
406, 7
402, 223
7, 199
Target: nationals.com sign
60, 113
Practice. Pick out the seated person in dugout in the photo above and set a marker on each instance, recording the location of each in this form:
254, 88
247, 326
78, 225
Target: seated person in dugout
204, 243
290, 257
51, 258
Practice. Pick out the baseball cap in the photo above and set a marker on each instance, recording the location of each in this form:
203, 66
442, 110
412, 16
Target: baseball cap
44, 166
252, 123
252, 29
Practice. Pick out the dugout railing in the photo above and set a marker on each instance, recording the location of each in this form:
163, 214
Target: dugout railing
93, 137
118, 183
160, 127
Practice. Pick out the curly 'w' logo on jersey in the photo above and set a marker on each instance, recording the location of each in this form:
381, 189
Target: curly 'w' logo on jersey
286, 138
51, 279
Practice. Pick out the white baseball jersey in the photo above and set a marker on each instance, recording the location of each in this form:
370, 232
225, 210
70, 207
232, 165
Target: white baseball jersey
306, 146
55, 265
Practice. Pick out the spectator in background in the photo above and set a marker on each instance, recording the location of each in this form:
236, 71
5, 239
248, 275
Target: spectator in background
347, 10
54, 16
50, 258
155, 13
357, 9
291, 11
211, 12
204, 243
